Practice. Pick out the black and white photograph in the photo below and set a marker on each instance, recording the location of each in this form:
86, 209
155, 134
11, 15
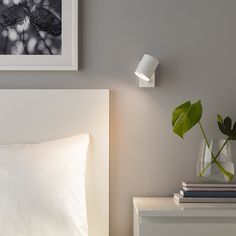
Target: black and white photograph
30, 27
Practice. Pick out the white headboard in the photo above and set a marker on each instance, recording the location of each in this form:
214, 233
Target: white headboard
30, 116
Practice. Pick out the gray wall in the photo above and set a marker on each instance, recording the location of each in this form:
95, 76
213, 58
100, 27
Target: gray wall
195, 41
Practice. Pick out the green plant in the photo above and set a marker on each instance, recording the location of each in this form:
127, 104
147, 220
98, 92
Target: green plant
187, 115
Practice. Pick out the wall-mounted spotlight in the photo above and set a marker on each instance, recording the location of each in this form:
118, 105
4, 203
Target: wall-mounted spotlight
146, 71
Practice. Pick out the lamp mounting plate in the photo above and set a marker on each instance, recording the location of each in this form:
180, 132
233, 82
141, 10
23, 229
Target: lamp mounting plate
147, 84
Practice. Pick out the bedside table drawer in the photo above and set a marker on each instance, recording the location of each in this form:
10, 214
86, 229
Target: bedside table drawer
200, 226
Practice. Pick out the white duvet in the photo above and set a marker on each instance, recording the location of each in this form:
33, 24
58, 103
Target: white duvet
42, 188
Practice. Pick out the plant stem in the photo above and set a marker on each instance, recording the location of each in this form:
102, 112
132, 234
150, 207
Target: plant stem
207, 142
214, 158
226, 141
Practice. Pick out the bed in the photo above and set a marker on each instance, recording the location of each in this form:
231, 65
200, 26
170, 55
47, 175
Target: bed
31, 116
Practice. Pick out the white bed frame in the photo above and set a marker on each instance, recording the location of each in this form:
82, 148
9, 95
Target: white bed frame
31, 116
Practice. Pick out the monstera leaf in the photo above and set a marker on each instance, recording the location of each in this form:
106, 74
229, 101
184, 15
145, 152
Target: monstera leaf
186, 116
225, 126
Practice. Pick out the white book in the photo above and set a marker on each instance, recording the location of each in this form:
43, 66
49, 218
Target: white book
180, 199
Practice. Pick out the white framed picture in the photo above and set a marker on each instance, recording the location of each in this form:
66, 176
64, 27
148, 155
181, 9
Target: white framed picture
38, 35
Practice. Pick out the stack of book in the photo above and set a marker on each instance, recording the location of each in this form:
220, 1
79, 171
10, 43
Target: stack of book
206, 193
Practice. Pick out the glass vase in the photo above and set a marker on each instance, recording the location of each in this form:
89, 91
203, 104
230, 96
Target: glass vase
215, 163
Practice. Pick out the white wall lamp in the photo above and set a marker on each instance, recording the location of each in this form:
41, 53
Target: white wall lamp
146, 71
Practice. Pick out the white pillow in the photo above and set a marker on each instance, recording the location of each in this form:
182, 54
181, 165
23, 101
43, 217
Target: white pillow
42, 188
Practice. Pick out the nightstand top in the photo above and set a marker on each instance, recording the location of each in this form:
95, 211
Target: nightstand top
166, 207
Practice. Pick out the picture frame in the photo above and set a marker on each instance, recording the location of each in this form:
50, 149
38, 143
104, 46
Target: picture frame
65, 60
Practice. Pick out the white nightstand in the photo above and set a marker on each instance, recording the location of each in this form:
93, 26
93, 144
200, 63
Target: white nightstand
163, 217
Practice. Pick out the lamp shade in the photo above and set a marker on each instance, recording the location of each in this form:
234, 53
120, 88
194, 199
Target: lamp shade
146, 67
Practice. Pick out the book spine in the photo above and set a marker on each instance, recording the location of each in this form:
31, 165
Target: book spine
206, 194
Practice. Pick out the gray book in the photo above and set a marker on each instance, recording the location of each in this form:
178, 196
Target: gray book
180, 199
213, 189
207, 185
